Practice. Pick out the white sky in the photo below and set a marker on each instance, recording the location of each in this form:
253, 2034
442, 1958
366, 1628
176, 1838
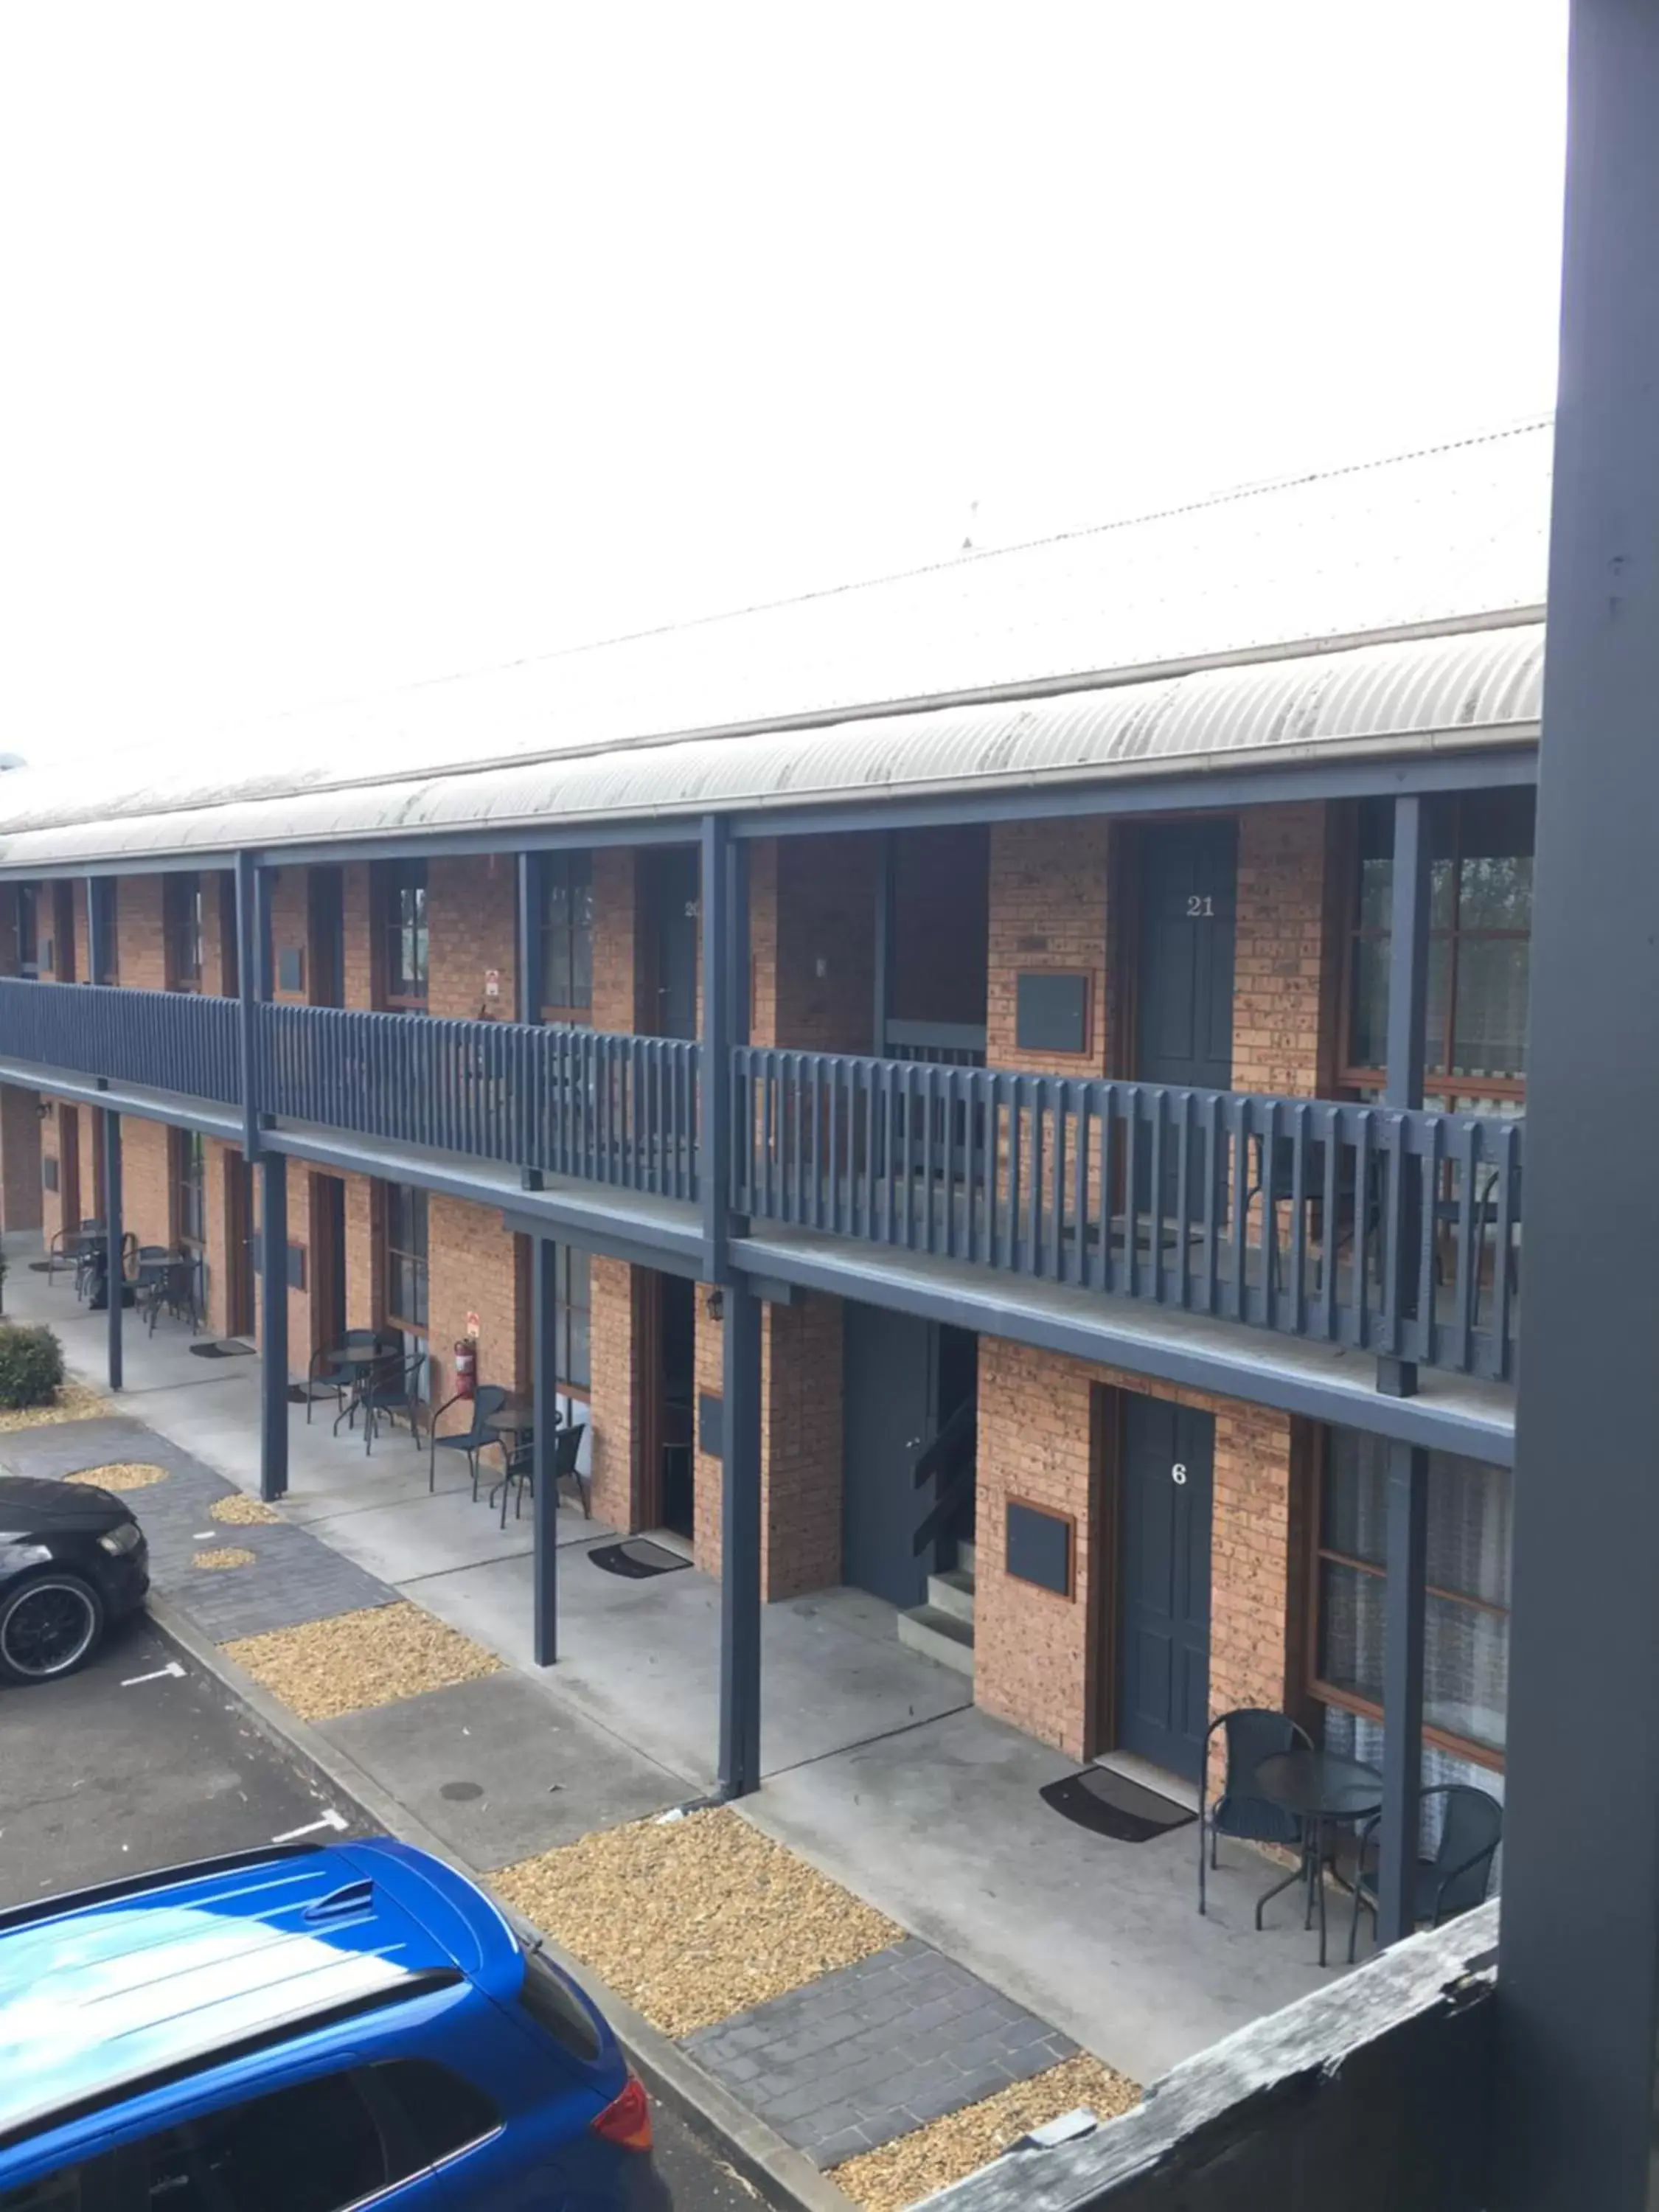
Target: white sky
346, 344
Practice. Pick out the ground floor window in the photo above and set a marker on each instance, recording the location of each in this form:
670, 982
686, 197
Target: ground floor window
1467, 1627
406, 1299
574, 1319
188, 1164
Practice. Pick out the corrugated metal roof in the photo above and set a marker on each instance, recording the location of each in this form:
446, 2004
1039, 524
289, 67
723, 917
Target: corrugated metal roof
1453, 536
1417, 694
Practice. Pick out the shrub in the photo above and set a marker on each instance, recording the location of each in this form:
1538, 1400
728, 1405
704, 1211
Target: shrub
31, 1366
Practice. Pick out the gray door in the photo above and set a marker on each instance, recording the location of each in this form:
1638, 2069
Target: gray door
676, 945
890, 1402
1167, 1482
1188, 901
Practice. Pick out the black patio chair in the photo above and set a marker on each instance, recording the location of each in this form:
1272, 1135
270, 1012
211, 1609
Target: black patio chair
521, 1469
488, 1398
169, 1287
326, 1372
1253, 1734
1456, 1879
393, 1393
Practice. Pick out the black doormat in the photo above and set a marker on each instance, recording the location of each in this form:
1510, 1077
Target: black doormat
299, 1395
1113, 1806
225, 1347
636, 1558
44, 1267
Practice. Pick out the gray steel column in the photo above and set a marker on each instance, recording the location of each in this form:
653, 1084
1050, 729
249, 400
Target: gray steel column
252, 984
1402, 1691
273, 1325
112, 1238
740, 1543
529, 993
1578, 1980
1408, 1005
544, 1496
724, 903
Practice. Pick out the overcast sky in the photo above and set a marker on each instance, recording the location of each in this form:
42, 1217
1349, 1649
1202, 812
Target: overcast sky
347, 345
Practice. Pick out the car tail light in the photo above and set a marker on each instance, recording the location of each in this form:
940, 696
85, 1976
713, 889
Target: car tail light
626, 2120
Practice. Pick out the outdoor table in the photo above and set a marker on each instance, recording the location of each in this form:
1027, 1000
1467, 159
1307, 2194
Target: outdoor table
1324, 1790
516, 1419
362, 1359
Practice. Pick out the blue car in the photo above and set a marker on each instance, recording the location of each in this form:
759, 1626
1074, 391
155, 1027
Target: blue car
303, 2029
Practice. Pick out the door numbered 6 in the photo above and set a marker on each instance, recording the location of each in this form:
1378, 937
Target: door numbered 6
1178, 1472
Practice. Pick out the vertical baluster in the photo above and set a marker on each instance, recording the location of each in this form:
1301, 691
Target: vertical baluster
1157, 1100
1184, 1201
1102, 1270
1330, 1251
1239, 1137
1392, 1132
1432, 1129
1507, 1146
1470, 1233
1360, 1330
1014, 1093
1062, 1095
1266, 1114
1301, 1116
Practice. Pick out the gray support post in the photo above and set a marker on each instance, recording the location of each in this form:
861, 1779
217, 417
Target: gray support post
1577, 1986
544, 1496
1402, 1691
1408, 1005
530, 995
883, 977
273, 1326
740, 1543
112, 1239
725, 909
252, 984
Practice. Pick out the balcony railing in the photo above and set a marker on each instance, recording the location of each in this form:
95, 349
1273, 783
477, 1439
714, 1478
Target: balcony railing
1393, 1233
585, 1104
157, 1040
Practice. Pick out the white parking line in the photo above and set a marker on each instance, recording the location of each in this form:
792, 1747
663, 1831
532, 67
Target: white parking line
330, 1820
160, 1675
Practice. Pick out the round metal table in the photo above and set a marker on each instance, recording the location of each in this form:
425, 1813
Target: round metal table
1325, 1791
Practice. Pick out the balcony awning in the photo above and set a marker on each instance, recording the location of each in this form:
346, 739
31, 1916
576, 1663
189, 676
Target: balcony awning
1444, 693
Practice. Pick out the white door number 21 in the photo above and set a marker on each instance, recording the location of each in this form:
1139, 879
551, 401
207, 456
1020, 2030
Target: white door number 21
1178, 1473
1199, 905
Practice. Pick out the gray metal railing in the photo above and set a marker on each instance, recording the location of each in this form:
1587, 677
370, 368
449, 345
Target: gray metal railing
589, 1104
178, 1041
1395, 1233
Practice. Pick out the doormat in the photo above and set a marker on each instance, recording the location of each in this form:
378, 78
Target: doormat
1113, 1806
225, 1347
636, 1558
299, 1395
44, 1267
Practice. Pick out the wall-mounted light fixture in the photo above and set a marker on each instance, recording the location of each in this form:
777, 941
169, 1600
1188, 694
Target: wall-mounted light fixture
715, 1305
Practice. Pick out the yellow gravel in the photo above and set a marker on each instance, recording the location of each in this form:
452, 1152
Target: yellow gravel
120, 1474
354, 1660
916, 2164
228, 1555
695, 1919
242, 1512
73, 1401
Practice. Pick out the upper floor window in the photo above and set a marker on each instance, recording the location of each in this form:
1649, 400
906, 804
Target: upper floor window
566, 936
181, 915
28, 930
406, 1306
1479, 947
400, 892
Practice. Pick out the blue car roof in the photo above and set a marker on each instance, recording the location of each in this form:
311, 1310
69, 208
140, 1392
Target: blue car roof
101, 1991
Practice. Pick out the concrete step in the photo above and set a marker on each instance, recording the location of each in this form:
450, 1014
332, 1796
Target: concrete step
952, 1592
965, 1557
938, 1636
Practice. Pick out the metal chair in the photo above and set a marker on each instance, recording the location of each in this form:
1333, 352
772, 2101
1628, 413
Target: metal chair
488, 1398
393, 1389
1253, 1734
521, 1469
1456, 1879
168, 1286
334, 1375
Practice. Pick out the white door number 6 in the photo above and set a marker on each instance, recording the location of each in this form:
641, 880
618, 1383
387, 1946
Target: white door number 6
1177, 1472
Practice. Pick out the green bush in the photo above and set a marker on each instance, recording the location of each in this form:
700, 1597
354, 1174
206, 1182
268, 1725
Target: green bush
31, 1366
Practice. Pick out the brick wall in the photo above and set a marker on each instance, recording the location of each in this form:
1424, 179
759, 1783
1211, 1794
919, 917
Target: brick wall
472, 922
1282, 1011
617, 1485
19, 1157
617, 983
364, 1305
940, 923
290, 931
218, 951
140, 941
80, 931
470, 1268
812, 926
1036, 1652
146, 1181
1048, 888
358, 962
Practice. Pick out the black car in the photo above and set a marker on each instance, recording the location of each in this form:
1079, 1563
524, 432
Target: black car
72, 1560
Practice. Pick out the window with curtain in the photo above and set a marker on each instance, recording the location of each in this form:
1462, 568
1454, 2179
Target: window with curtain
28, 930
189, 1187
181, 905
405, 1258
575, 1318
401, 892
1466, 1625
566, 936
1479, 946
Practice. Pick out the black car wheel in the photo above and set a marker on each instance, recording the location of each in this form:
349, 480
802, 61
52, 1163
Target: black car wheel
48, 1626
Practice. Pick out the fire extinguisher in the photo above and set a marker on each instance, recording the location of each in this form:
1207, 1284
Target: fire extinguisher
466, 1366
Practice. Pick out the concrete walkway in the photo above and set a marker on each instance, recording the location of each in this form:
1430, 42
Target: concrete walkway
880, 1770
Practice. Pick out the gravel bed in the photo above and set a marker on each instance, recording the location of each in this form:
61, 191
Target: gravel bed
916, 2164
73, 1401
120, 1474
242, 1512
694, 1919
377, 1656
227, 1555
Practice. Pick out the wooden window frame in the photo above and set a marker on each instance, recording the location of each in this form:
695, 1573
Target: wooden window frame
1321, 1692
185, 1147
569, 1387
1441, 1088
419, 1262
389, 880
183, 928
578, 1012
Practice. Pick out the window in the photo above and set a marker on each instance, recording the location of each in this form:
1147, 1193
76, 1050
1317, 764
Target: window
103, 899
1480, 944
189, 1186
1465, 1658
567, 936
574, 1317
402, 894
443, 2111
28, 930
181, 908
314, 2148
405, 1258
554, 2007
